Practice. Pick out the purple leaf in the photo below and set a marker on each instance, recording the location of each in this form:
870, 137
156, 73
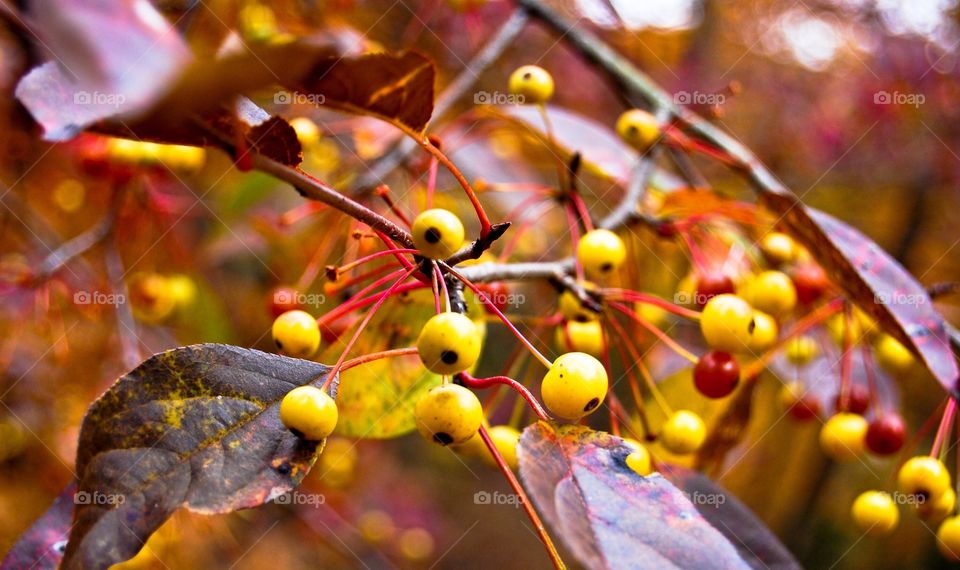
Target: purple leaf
42, 546
609, 516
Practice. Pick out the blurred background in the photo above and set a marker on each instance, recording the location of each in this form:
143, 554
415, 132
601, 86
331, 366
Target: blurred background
852, 103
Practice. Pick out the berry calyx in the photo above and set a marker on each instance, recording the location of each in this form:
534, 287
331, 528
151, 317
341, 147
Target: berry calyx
505, 439
448, 414
574, 386
716, 374
296, 333
886, 434
711, 285
533, 83
875, 512
437, 233
778, 248
727, 323
948, 539
574, 336
841, 438
601, 253
309, 412
924, 476
638, 128
771, 292
802, 350
683, 433
449, 343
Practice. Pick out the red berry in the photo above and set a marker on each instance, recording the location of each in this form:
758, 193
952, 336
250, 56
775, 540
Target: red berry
810, 282
709, 286
858, 400
283, 299
495, 294
886, 434
716, 374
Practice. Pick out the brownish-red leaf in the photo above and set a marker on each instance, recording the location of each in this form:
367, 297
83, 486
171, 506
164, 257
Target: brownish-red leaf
609, 516
42, 546
873, 280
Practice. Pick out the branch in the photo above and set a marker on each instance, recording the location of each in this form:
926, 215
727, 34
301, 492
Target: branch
457, 88
74, 247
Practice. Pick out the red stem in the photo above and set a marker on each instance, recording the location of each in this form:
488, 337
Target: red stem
360, 360
944, 429
482, 383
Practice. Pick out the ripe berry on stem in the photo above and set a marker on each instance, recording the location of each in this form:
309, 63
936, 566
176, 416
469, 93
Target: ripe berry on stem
727, 323
437, 233
948, 539
601, 253
802, 350
573, 309
282, 299
856, 400
638, 128
842, 437
449, 343
296, 333
309, 412
778, 248
923, 476
801, 405
875, 512
448, 414
505, 439
574, 336
810, 281
886, 434
716, 374
683, 432
710, 285
574, 386
771, 292
533, 83
893, 356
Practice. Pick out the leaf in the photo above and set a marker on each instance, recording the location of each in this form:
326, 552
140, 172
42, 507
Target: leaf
609, 516
874, 281
41, 547
197, 426
759, 547
394, 87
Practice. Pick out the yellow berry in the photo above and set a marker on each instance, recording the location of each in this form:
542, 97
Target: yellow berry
505, 438
573, 309
801, 350
601, 253
437, 233
574, 386
727, 323
376, 526
257, 22
296, 333
842, 437
448, 414
639, 461
893, 356
183, 289
449, 343
533, 83
764, 333
948, 539
778, 248
338, 461
307, 132
935, 510
772, 292
638, 128
875, 512
925, 477
152, 297
683, 433
415, 544
574, 336
309, 412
